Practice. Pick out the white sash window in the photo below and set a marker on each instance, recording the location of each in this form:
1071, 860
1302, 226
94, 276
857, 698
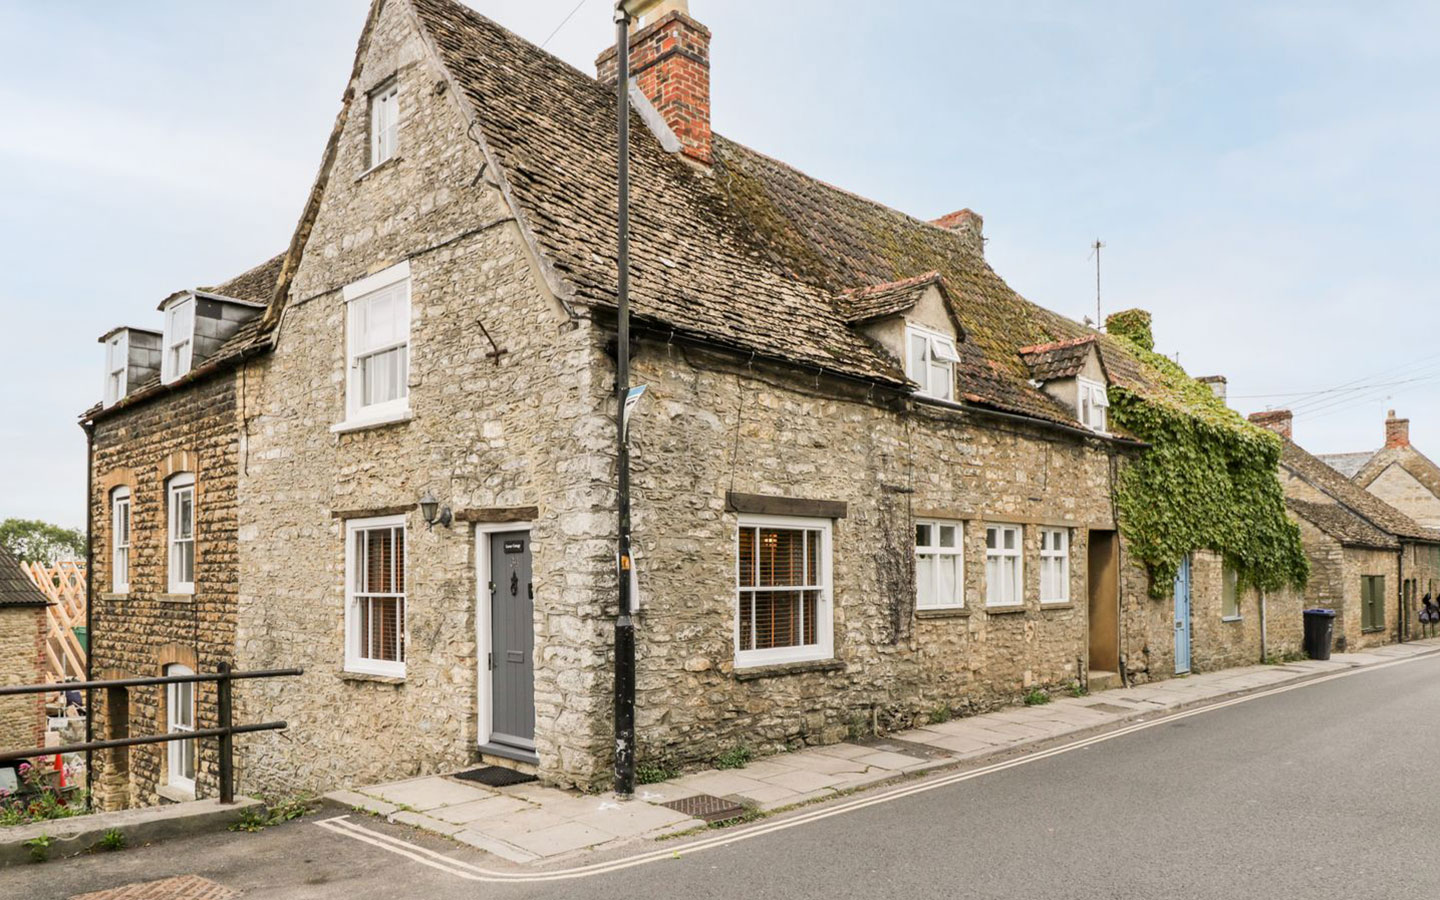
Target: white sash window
1003, 569
939, 564
120, 540
181, 509
378, 386
1054, 565
180, 717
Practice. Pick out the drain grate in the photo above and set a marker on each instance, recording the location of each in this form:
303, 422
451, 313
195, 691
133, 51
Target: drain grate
707, 808
1108, 708
905, 748
495, 776
183, 887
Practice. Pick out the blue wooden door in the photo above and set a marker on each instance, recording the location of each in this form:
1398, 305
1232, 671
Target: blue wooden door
1182, 617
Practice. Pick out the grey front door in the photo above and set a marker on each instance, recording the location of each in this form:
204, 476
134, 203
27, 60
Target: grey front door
512, 641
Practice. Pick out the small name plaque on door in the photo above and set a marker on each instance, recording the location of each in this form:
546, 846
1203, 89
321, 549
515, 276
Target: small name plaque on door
517, 546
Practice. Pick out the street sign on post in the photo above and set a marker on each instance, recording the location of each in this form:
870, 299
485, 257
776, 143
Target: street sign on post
632, 397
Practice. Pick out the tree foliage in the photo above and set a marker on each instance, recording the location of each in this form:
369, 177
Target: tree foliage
1207, 482
31, 540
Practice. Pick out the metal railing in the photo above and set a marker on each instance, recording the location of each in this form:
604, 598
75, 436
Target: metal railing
226, 731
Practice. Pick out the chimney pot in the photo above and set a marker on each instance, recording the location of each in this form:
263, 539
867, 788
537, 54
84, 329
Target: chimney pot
670, 65
1397, 431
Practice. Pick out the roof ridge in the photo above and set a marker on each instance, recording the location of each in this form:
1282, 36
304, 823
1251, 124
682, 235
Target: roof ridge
913, 280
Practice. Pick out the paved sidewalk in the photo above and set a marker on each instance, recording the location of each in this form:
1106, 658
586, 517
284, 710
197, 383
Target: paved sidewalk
529, 823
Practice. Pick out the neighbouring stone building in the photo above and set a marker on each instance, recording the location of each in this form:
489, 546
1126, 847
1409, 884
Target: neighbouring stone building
164, 444
870, 481
1397, 473
22, 655
1369, 562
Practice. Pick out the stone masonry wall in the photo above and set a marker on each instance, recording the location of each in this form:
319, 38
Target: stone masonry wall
22, 635
193, 429
527, 431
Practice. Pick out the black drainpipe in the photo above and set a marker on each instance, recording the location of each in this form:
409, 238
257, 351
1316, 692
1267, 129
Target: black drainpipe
1400, 571
89, 611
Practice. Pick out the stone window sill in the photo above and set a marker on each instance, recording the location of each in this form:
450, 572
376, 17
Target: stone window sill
363, 424
378, 167
396, 680
175, 598
1056, 605
121, 596
174, 794
1005, 610
755, 673
956, 612
1232, 618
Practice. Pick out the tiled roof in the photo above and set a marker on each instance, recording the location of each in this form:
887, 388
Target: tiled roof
1058, 359
16, 588
878, 300
1342, 524
254, 284
1363, 503
752, 255
1417, 464
1347, 464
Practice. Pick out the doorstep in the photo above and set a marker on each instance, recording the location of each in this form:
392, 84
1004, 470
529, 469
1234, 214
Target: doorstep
530, 823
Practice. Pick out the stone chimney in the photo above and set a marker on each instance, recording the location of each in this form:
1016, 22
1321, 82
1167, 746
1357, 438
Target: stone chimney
1279, 421
1397, 432
969, 225
670, 64
1219, 385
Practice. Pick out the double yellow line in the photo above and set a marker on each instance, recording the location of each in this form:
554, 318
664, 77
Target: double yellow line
343, 826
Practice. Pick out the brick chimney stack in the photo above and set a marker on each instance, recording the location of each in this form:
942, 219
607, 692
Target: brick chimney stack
1397, 432
670, 64
1279, 421
968, 224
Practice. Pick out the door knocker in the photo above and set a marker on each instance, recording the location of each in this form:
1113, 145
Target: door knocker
514, 584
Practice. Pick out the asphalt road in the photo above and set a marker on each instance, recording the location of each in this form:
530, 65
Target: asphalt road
1326, 791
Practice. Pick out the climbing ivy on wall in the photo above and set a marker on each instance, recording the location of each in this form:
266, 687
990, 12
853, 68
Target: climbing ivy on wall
1207, 482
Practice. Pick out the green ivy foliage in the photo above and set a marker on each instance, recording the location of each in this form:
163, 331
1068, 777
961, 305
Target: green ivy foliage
1133, 324
1207, 482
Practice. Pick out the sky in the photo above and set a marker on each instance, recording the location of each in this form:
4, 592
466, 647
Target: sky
1262, 174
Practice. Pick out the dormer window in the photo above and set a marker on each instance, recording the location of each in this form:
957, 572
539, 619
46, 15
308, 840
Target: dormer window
179, 346
117, 366
384, 122
1093, 405
930, 359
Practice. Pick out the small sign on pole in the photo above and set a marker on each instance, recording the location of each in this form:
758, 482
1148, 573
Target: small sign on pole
632, 397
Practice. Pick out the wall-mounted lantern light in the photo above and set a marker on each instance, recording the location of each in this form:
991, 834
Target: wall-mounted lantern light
432, 512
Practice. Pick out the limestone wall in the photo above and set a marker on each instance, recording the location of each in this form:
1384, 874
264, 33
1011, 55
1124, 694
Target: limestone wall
22, 632
195, 429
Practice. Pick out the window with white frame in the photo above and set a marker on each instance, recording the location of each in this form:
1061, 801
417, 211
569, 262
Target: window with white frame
180, 717
120, 540
179, 339
939, 564
930, 359
117, 367
375, 596
180, 506
1093, 405
783, 591
384, 122
1054, 565
1003, 569
379, 345
1230, 593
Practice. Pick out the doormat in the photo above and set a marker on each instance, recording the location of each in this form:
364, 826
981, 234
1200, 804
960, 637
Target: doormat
495, 776
183, 887
707, 808
1108, 708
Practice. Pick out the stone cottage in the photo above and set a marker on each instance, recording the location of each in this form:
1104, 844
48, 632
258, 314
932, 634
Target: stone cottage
22, 655
1397, 473
163, 451
870, 480
1369, 561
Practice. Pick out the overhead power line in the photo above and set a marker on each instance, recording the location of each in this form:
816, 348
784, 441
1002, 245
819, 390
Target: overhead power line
562, 24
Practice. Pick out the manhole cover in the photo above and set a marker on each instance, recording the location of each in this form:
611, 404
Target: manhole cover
905, 748
1108, 708
182, 887
495, 776
706, 807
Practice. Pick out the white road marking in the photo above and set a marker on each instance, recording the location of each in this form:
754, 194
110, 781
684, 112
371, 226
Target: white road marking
343, 826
